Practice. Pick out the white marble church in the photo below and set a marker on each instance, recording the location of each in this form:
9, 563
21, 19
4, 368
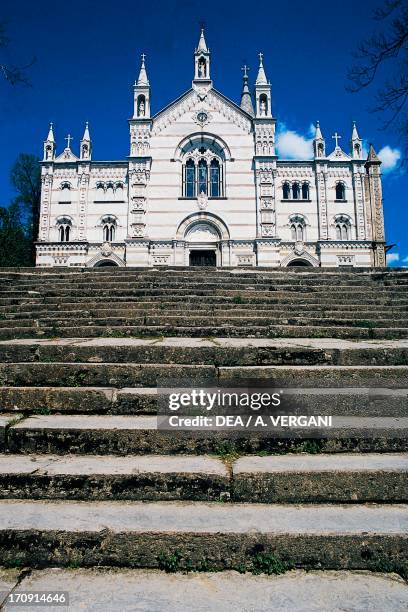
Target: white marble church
203, 185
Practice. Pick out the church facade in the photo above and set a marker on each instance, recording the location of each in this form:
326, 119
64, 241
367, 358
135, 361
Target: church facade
203, 185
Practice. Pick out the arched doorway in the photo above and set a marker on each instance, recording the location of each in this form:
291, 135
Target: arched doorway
105, 263
301, 263
203, 239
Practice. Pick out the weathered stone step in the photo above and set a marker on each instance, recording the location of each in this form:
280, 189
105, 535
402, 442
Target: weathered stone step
179, 309
145, 400
205, 318
321, 478
209, 351
202, 290
326, 300
62, 374
275, 479
123, 435
117, 590
227, 536
227, 331
149, 477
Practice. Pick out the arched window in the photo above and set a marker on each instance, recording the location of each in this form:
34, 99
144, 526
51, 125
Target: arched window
305, 191
295, 191
340, 191
108, 228
320, 149
109, 232
202, 176
215, 178
343, 228
64, 229
286, 191
190, 180
141, 106
297, 228
202, 68
263, 105
357, 149
203, 168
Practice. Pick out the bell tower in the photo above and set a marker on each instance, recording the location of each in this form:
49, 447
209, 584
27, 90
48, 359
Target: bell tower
202, 61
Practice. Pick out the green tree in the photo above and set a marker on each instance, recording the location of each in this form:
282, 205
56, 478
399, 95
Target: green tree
26, 180
15, 244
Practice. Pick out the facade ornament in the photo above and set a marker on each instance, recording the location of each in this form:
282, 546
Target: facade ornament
106, 249
202, 201
299, 247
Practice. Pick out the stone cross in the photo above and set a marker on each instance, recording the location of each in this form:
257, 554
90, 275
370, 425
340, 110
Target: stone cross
143, 56
68, 139
261, 57
245, 71
336, 137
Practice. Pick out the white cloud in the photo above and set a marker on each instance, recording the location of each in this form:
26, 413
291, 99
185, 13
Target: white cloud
292, 145
393, 257
405, 260
389, 157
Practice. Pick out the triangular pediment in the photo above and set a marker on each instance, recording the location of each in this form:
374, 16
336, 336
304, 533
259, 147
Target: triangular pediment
338, 155
202, 100
66, 156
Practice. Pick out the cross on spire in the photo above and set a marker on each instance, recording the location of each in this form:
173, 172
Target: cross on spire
336, 137
143, 56
245, 71
68, 139
260, 57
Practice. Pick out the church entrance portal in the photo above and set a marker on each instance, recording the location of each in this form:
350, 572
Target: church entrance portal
203, 258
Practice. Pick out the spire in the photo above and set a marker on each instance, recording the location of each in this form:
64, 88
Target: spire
356, 144
319, 145
50, 137
372, 155
246, 100
261, 78
202, 60
354, 134
202, 45
318, 133
85, 144
143, 80
86, 135
49, 145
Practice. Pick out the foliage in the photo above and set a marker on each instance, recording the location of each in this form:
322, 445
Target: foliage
383, 58
15, 242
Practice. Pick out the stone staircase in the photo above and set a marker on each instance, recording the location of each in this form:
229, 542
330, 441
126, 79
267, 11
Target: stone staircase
88, 479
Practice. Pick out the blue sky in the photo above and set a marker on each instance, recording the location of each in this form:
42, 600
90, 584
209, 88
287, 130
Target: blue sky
87, 57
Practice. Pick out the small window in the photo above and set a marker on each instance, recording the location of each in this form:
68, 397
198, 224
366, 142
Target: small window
305, 191
286, 191
340, 191
296, 191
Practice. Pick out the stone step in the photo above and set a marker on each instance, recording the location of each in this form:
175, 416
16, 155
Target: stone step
200, 290
227, 331
267, 319
62, 374
117, 590
145, 400
285, 479
149, 477
210, 351
179, 309
123, 435
326, 300
226, 536
321, 478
